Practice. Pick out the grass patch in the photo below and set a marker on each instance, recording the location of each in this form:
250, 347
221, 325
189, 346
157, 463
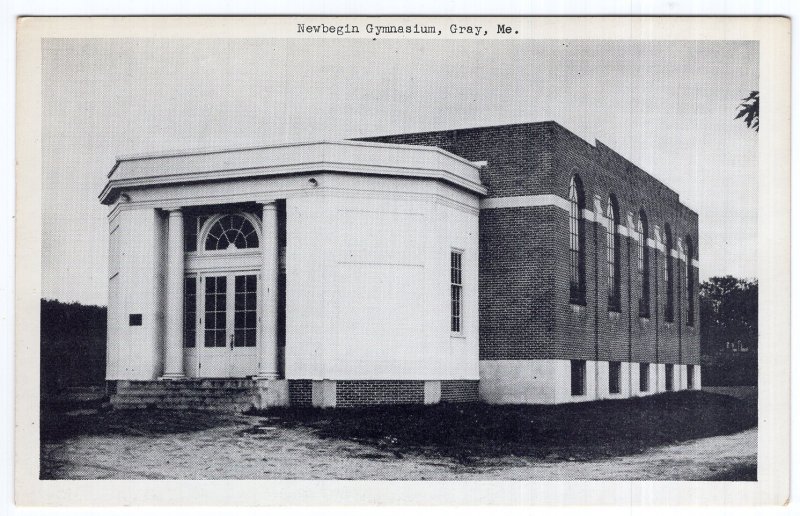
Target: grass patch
741, 472
56, 427
469, 432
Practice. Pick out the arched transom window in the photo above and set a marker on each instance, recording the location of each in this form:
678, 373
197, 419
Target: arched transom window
669, 308
644, 265
577, 285
612, 249
689, 282
231, 232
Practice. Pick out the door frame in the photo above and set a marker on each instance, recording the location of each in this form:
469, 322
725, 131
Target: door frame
194, 357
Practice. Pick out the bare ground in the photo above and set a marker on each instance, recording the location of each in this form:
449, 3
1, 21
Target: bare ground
250, 447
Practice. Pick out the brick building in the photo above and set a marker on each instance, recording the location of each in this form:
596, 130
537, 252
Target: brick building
573, 307
515, 264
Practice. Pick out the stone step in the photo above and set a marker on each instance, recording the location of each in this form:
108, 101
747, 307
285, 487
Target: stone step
229, 407
184, 392
180, 399
234, 383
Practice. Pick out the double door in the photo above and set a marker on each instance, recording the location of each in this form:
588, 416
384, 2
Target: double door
227, 326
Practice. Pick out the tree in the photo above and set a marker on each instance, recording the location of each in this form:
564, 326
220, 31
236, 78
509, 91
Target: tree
728, 326
749, 110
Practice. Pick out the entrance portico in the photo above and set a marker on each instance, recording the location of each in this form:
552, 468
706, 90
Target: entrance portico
221, 294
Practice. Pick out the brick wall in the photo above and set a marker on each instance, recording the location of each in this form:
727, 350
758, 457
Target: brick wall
516, 281
354, 393
300, 393
459, 391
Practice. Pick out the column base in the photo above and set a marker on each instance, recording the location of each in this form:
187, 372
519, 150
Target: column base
172, 376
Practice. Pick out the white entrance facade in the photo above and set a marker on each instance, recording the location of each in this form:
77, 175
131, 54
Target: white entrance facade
321, 261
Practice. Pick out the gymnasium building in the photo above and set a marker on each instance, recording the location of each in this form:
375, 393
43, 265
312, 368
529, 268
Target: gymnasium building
508, 264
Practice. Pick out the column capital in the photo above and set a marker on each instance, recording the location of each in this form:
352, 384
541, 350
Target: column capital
173, 211
270, 204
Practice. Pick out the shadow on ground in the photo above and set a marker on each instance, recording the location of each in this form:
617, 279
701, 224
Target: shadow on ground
469, 432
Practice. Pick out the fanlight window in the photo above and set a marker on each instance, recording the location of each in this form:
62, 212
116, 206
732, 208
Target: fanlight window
231, 232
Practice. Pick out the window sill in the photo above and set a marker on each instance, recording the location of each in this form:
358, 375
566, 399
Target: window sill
457, 336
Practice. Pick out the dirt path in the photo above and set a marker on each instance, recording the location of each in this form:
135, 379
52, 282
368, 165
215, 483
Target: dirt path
243, 450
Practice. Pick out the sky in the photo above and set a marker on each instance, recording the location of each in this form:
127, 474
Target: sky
668, 107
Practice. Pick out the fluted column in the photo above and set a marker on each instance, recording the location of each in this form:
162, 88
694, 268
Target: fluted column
173, 306
268, 348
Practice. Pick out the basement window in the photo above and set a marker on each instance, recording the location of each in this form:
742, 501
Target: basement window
670, 377
614, 373
644, 377
578, 377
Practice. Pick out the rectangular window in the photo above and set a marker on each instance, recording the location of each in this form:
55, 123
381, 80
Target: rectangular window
578, 377
135, 320
456, 293
190, 312
644, 377
670, 377
191, 229
690, 376
614, 374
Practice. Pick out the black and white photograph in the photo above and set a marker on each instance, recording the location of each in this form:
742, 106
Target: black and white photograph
405, 249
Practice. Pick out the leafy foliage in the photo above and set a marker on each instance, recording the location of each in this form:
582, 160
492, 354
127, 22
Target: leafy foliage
749, 110
728, 322
73, 345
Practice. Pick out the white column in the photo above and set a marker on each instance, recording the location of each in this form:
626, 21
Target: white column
268, 351
173, 305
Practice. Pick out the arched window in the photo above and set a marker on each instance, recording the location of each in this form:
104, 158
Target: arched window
689, 282
612, 254
231, 231
577, 262
669, 308
644, 265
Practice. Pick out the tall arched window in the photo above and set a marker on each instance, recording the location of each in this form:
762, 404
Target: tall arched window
577, 262
231, 232
689, 282
669, 308
644, 265
612, 254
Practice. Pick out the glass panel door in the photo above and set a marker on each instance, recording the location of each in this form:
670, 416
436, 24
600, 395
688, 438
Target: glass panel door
229, 326
214, 359
244, 359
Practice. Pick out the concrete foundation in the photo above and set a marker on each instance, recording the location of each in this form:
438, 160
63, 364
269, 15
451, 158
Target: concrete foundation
323, 393
433, 392
270, 393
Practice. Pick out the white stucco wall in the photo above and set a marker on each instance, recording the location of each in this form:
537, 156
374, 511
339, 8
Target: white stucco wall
367, 262
368, 281
135, 352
